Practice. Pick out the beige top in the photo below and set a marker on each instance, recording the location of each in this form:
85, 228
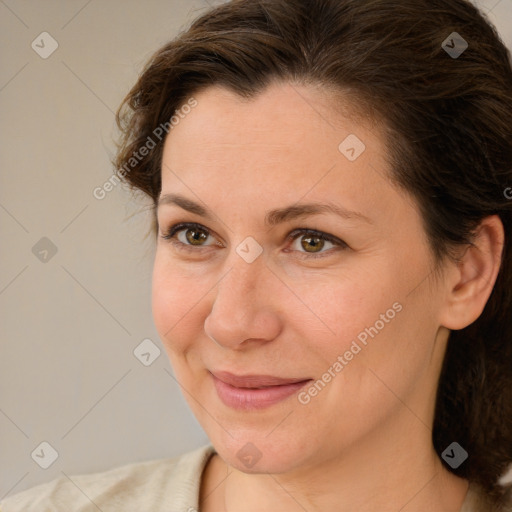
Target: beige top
162, 485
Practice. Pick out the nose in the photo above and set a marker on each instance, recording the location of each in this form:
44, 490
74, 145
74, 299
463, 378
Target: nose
244, 311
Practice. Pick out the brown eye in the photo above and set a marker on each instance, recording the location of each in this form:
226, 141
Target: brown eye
187, 235
315, 242
196, 236
312, 242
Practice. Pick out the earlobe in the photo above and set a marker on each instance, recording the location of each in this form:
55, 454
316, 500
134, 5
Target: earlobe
474, 275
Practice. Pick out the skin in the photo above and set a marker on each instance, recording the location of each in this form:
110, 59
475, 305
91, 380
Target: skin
364, 442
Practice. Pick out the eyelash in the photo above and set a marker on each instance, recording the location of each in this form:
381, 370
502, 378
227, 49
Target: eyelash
173, 230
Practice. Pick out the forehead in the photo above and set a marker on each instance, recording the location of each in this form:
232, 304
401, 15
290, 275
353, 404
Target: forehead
280, 115
286, 128
284, 146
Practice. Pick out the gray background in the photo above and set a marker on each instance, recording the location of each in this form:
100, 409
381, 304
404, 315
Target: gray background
70, 321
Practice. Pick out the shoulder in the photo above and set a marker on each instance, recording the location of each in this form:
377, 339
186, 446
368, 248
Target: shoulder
170, 485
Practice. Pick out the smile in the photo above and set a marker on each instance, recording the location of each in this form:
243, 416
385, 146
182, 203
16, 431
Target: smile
254, 392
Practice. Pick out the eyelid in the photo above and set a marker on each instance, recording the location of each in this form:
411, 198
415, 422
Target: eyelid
315, 232
180, 226
292, 236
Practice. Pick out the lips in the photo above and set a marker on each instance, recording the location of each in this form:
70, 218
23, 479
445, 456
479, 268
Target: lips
254, 381
251, 392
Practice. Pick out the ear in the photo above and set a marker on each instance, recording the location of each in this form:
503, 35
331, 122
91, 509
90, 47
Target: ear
470, 281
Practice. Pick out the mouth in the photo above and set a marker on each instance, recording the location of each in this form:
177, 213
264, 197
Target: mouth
252, 392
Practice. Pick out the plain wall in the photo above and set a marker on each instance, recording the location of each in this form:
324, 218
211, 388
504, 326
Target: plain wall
70, 323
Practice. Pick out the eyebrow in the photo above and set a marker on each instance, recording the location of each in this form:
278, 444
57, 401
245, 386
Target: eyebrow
272, 217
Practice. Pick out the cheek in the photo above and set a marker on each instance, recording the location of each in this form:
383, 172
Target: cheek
345, 305
175, 299
364, 316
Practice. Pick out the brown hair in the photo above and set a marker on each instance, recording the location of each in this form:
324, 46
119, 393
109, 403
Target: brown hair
449, 143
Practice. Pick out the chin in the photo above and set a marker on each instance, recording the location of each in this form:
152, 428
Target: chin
252, 453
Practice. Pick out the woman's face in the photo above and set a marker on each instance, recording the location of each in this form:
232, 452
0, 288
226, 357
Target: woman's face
358, 319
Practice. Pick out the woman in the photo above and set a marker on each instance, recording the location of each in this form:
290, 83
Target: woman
368, 366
